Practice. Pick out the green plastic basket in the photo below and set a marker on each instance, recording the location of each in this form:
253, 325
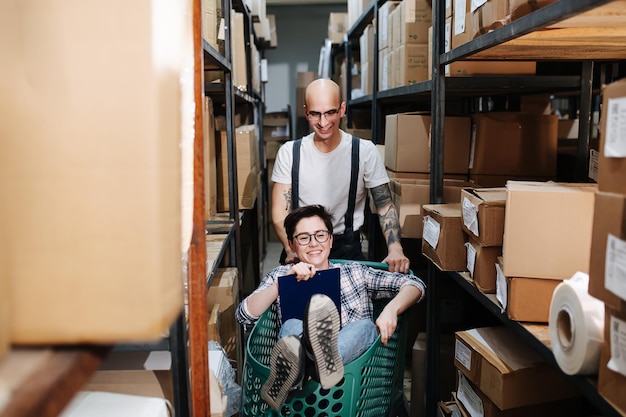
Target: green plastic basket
372, 384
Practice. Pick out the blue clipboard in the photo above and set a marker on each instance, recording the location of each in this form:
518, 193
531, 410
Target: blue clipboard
295, 295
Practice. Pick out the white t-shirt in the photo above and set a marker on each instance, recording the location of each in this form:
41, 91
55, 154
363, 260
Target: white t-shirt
325, 177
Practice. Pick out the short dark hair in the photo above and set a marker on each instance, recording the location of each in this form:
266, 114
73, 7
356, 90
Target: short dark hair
294, 217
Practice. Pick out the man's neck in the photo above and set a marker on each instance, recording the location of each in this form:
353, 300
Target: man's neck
327, 145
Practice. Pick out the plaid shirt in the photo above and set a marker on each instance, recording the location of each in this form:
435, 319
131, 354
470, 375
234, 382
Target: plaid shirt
360, 284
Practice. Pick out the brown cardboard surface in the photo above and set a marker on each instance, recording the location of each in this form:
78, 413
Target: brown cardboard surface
611, 171
501, 180
92, 166
520, 8
412, 64
484, 265
547, 229
492, 15
476, 398
302, 80
133, 382
512, 143
448, 248
611, 384
224, 291
407, 143
486, 207
529, 299
510, 373
609, 217
210, 160
410, 194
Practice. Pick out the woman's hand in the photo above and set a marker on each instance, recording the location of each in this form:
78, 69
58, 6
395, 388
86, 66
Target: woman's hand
386, 323
303, 271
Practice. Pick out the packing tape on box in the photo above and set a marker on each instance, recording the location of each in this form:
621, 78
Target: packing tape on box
576, 325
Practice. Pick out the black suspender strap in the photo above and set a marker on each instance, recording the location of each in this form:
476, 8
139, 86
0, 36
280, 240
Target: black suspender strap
354, 175
295, 174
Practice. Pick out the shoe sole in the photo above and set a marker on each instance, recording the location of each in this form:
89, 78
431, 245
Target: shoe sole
323, 331
284, 371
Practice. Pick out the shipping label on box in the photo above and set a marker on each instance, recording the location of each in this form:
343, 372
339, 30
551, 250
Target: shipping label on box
612, 372
547, 229
483, 214
612, 156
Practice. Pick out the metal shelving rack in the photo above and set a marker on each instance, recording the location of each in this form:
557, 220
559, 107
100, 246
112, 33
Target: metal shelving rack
518, 40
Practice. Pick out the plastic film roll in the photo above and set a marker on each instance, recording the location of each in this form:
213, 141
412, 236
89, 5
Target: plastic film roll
576, 326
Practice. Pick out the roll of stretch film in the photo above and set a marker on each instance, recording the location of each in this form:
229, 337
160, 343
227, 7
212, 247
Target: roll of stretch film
576, 325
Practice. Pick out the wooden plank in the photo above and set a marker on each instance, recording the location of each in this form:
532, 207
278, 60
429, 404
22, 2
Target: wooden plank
41, 382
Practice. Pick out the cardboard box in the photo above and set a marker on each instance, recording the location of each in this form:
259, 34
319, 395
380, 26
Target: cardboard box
528, 148
507, 370
92, 165
446, 370
303, 79
407, 143
547, 229
460, 23
210, 160
412, 64
483, 214
276, 126
239, 63
520, 8
471, 401
609, 233
214, 324
612, 169
248, 177
612, 384
410, 194
224, 291
412, 26
491, 15
443, 241
481, 264
383, 28
494, 181
337, 26
366, 44
528, 299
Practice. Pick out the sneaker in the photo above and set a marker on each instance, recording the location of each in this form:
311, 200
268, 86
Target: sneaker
321, 330
286, 370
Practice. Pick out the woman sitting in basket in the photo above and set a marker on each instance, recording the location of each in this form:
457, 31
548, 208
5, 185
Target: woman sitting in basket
329, 345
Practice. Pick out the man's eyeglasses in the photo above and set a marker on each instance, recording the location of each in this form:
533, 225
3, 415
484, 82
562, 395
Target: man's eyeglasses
304, 239
315, 116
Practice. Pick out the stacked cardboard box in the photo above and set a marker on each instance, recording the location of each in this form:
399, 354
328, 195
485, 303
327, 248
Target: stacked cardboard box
608, 250
366, 57
483, 224
248, 174
503, 373
92, 236
443, 241
409, 195
337, 26
384, 50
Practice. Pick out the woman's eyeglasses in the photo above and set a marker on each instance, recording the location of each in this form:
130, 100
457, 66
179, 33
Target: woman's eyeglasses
315, 116
304, 239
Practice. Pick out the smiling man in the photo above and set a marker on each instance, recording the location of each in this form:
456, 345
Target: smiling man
329, 340
331, 168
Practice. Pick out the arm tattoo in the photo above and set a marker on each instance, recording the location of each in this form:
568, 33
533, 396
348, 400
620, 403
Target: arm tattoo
387, 213
287, 196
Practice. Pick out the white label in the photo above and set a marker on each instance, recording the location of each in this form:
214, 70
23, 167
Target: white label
454, 410
615, 140
472, 402
221, 31
501, 288
431, 232
470, 216
476, 4
594, 156
617, 363
471, 258
463, 355
459, 16
615, 266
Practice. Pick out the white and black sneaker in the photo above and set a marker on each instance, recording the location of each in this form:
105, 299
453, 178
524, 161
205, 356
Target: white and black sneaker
321, 330
286, 370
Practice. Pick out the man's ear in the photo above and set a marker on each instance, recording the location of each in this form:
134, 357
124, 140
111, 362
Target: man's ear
292, 245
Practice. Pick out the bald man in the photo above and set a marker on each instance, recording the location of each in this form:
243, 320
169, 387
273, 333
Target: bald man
319, 168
